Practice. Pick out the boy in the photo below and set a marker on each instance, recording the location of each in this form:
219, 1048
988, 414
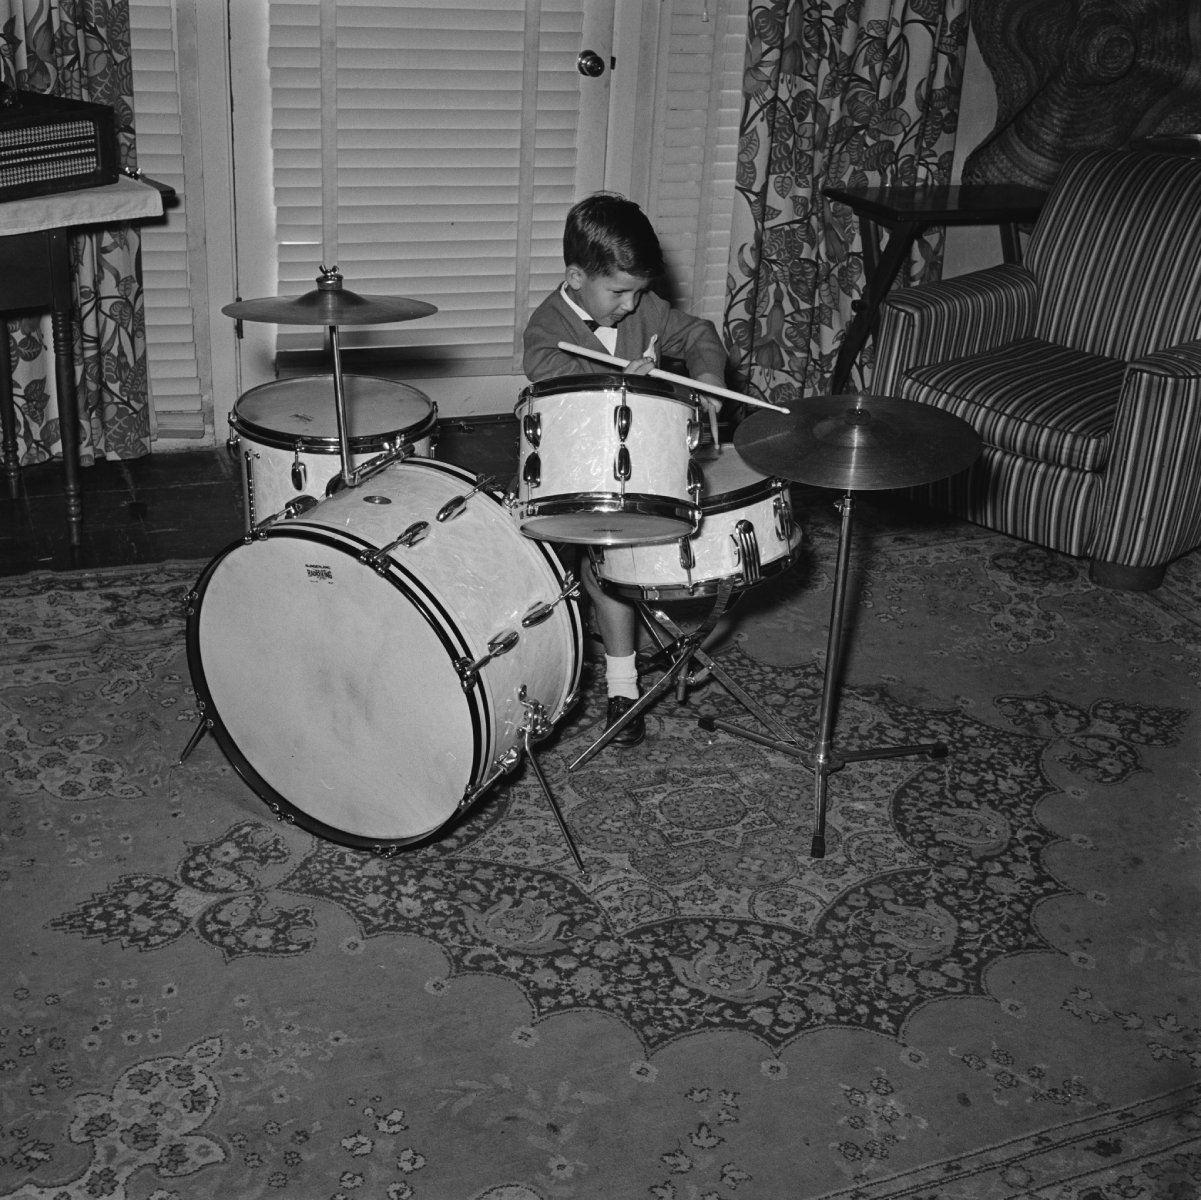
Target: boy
612, 257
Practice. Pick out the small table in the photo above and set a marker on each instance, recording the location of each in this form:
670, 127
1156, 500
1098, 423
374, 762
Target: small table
908, 213
35, 275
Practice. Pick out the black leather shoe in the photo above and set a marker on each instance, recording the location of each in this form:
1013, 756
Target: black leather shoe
633, 731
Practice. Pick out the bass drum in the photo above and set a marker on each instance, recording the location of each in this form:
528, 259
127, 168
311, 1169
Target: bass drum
372, 666
285, 434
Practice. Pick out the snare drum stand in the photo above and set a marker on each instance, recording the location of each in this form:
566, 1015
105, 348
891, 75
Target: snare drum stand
681, 649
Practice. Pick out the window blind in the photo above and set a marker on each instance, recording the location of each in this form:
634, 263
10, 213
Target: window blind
174, 378
427, 150
699, 107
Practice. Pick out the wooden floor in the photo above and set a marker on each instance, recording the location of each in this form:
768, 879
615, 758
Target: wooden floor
182, 504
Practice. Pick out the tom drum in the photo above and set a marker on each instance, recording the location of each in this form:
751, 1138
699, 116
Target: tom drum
285, 434
747, 534
605, 460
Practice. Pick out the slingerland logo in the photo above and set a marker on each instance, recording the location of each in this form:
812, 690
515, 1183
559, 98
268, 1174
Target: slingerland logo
319, 572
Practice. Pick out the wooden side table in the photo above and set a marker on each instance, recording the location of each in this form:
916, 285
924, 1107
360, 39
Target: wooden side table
35, 275
908, 213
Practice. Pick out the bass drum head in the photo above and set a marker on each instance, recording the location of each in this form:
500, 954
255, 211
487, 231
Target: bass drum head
286, 412
312, 692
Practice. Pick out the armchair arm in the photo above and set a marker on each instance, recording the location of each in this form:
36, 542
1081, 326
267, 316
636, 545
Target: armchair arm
1150, 510
949, 319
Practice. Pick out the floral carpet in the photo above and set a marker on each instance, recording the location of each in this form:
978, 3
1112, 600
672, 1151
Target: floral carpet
988, 987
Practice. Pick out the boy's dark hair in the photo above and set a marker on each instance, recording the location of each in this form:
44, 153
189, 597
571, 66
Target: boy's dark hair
606, 232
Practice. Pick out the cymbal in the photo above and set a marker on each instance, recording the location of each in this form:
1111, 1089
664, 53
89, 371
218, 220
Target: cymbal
329, 304
858, 443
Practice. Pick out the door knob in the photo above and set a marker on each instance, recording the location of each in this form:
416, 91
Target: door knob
590, 63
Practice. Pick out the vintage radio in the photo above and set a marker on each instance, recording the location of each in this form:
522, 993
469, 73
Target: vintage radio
48, 144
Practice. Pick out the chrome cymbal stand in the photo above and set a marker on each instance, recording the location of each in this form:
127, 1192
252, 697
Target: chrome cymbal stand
825, 759
681, 649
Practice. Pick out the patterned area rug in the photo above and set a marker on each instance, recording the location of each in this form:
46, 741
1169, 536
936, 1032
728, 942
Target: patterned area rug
988, 987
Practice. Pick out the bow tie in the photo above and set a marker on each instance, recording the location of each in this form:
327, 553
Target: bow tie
593, 325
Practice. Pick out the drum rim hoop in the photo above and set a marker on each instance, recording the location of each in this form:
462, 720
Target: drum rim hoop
705, 587
635, 385
273, 384
762, 489
306, 444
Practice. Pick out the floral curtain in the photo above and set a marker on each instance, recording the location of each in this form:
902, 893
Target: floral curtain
836, 92
79, 49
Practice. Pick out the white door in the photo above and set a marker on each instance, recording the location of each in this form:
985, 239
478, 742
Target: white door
428, 151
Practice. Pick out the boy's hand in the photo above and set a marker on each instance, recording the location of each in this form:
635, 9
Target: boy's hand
641, 366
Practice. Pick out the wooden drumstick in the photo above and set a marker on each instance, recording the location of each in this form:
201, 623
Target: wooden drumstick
613, 361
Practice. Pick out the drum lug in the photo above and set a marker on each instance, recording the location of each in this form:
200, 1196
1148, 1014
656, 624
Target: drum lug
694, 434
696, 480
455, 505
531, 427
622, 418
373, 466
747, 551
469, 672
785, 523
378, 559
539, 612
622, 468
531, 472
296, 507
300, 473
687, 559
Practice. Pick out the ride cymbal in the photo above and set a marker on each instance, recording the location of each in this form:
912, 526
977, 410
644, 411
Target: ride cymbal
858, 443
329, 304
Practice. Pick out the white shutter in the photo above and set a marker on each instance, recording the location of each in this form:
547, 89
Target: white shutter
175, 385
698, 109
407, 139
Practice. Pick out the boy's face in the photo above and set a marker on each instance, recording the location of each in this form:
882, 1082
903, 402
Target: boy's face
608, 298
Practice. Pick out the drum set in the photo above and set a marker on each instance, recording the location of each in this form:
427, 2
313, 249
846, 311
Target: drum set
392, 634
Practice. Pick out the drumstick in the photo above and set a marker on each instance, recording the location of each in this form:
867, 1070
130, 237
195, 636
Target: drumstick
613, 361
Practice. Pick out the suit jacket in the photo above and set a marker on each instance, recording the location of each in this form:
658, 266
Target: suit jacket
692, 339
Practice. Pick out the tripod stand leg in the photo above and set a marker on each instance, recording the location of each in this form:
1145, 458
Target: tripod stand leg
554, 805
194, 740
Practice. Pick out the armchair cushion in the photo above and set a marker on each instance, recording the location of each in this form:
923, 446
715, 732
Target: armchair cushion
1030, 398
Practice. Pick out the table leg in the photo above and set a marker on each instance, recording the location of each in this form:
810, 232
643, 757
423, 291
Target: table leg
8, 416
880, 270
64, 377
1011, 242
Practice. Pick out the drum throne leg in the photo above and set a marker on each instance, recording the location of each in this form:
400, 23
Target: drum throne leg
680, 650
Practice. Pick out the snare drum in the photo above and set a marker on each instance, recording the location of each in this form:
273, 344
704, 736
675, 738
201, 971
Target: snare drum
372, 666
604, 460
285, 434
747, 534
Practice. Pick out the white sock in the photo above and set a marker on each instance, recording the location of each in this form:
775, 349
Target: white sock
621, 676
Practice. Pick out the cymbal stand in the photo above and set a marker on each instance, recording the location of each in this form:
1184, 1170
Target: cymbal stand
349, 474
682, 651
825, 759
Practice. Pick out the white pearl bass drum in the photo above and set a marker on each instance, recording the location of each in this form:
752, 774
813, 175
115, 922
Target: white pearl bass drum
371, 663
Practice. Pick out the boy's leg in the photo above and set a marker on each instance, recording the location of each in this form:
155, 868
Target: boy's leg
618, 622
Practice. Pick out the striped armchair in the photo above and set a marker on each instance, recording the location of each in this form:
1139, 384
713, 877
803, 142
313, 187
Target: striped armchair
1080, 369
